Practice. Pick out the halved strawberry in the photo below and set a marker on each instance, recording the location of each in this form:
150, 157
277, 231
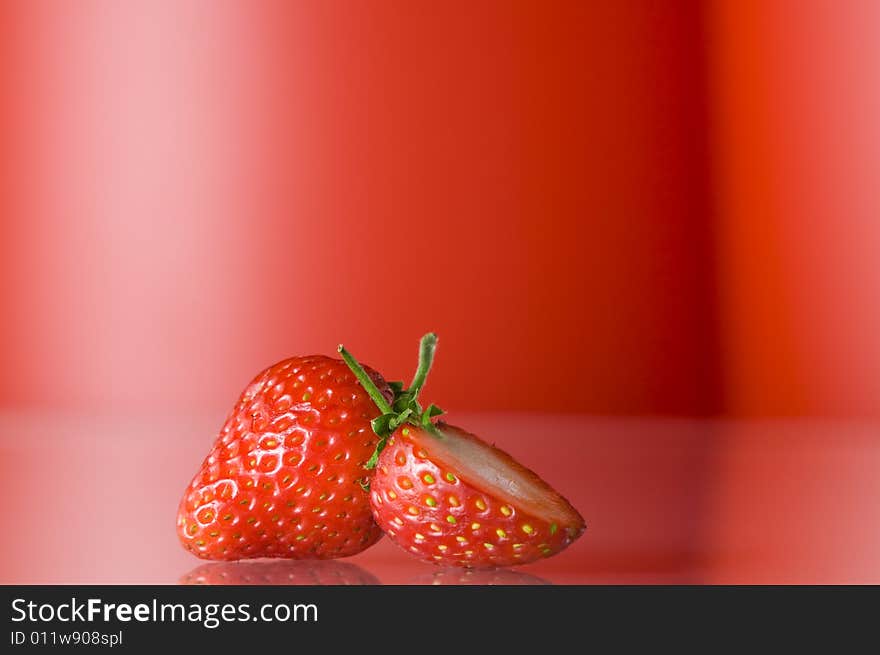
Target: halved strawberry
448, 497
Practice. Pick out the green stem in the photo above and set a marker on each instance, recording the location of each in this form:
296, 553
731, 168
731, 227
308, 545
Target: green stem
367, 383
406, 408
427, 347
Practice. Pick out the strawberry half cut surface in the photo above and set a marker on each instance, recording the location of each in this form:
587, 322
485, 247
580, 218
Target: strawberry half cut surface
448, 497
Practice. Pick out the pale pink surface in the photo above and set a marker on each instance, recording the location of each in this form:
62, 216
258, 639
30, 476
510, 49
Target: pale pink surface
92, 499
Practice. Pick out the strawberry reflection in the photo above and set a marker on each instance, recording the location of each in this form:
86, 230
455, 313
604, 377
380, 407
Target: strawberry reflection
456, 576
280, 572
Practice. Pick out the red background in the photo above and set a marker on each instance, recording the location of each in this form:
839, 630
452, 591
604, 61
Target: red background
604, 207
626, 208
195, 190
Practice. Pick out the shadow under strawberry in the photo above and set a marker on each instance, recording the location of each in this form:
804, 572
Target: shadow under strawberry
280, 573
459, 576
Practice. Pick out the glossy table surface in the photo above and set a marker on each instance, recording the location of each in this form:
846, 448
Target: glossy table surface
92, 499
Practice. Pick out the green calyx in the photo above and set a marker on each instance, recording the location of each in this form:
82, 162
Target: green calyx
404, 406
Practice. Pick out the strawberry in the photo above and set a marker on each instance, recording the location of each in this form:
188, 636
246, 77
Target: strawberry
279, 572
286, 477
449, 497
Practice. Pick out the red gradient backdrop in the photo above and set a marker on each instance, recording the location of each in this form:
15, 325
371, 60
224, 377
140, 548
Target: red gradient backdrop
196, 189
796, 147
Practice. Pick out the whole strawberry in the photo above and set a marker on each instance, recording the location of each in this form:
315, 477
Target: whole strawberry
286, 476
448, 497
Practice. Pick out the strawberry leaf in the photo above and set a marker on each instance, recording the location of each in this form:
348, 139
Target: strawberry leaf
430, 413
374, 458
402, 401
399, 419
382, 424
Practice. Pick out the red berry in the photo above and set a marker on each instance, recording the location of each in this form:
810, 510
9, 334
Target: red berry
279, 572
448, 497
285, 475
